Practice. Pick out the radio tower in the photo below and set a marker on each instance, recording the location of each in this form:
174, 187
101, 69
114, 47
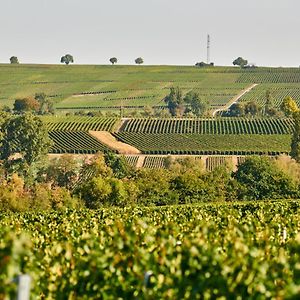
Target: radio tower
208, 49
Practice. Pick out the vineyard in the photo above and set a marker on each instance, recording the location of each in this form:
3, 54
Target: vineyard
210, 251
209, 126
207, 144
270, 75
74, 123
278, 93
77, 142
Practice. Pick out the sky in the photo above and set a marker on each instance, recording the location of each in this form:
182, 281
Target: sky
162, 32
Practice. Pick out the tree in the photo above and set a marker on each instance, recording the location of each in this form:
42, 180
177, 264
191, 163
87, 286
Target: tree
139, 61
26, 104
236, 110
198, 107
14, 60
62, 171
113, 60
25, 137
45, 105
251, 108
259, 178
203, 64
118, 165
68, 58
240, 62
289, 106
269, 109
175, 101
295, 145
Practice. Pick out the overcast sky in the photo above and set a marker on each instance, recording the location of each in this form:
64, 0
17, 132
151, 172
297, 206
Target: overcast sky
266, 32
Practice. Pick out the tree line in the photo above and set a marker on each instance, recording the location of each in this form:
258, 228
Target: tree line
30, 180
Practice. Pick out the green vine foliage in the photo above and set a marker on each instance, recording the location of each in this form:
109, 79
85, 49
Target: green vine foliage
212, 251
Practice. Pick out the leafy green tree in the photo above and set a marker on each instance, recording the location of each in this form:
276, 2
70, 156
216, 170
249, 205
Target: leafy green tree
14, 60
289, 106
63, 171
236, 110
45, 105
252, 108
139, 61
118, 165
154, 187
113, 60
100, 191
175, 101
26, 104
295, 145
26, 137
269, 108
198, 107
240, 62
259, 178
66, 59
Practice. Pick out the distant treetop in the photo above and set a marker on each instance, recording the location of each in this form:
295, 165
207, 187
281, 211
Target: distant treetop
113, 60
68, 58
240, 62
139, 61
203, 64
14, 60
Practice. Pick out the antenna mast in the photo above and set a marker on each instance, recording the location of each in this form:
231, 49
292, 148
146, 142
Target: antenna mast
208, 49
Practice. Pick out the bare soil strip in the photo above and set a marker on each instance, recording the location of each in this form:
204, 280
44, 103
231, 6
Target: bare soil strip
235, 99
140, 161
107, 139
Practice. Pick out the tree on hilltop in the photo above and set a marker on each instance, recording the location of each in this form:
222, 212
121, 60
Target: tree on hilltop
139, 61
113, 60
68, 58
14, 60
240, 62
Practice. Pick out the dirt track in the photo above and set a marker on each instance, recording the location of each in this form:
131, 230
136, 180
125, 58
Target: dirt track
106, 138
235, 99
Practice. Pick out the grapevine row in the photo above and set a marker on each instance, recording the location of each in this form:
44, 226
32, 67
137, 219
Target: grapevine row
210, 126
207, 144
80, 123
78, 142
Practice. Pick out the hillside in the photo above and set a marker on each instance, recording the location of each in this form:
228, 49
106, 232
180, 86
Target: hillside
95, 87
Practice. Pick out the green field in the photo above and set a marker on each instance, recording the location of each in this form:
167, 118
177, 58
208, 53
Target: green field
80, 87
206, 251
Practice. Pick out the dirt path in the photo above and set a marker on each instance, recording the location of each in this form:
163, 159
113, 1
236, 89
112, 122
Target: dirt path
106, 138
235, 99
